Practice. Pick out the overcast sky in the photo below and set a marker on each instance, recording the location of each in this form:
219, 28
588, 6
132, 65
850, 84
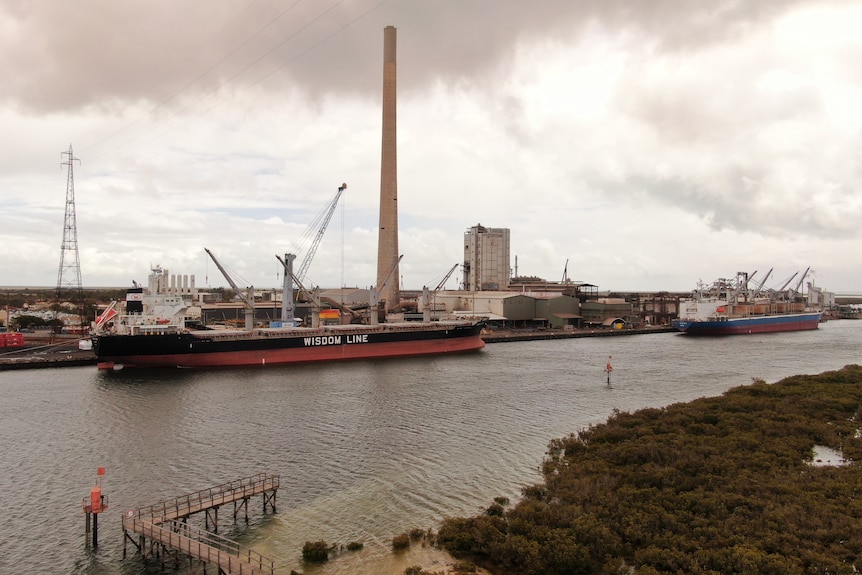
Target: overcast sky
648, 144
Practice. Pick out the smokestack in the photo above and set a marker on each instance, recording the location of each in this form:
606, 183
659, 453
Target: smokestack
387, 239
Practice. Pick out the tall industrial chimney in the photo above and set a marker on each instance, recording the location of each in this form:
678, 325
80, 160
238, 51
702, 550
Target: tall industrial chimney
387, 239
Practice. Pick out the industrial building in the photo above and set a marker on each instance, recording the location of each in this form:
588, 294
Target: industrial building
554, 310
486, 258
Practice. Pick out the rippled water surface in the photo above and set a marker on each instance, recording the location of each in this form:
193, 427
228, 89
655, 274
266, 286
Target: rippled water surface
365, 450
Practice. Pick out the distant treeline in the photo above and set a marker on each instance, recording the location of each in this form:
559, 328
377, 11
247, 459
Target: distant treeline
18, 297
720, 485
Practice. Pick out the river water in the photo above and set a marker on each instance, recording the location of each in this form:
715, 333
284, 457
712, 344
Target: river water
365, 450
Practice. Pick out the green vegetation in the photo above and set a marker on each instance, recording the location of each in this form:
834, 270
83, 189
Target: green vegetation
400, 542
20, 297
315, 551
319, 551
417, 534
718, 485
45, 299
457, 568
35, 322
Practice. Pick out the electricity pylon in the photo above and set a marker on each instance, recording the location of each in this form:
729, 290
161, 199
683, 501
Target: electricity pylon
69, 286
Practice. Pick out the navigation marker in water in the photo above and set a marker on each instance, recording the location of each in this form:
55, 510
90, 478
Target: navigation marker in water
93, 505
609, 369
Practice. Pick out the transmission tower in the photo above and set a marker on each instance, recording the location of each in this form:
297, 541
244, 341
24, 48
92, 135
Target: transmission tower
69, 285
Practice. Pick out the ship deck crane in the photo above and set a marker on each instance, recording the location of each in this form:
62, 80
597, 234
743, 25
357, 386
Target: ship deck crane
802, 279
787, 283
427, 294
289, 278
314, 298
445, 278
247, 298
741, 287
763, 281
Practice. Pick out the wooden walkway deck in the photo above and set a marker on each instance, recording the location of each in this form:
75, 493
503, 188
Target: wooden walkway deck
209, 548
164, 524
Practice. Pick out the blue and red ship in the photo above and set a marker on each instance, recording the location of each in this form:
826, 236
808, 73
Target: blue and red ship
734, 307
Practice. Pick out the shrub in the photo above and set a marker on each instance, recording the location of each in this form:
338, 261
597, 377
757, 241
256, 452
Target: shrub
401, 542
354, 546
315, 551
417, 570
416, 534
537, 492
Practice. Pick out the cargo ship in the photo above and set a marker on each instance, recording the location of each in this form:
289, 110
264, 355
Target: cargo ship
734, 307
156, 327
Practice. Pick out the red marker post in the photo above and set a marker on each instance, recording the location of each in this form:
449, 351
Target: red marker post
609, 369
93, 505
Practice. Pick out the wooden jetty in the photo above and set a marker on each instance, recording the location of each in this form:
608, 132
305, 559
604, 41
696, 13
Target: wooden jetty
161, 528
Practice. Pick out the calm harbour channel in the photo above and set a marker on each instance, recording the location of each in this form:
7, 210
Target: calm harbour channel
365, 450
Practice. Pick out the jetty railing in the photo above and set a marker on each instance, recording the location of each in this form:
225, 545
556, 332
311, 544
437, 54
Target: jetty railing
165, 525
230, 556
229, 492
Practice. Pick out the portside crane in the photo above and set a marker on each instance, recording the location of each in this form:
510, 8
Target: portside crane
323, 218
320, 223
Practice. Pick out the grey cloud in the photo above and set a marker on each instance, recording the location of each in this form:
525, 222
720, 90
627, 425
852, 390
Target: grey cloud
69, 55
